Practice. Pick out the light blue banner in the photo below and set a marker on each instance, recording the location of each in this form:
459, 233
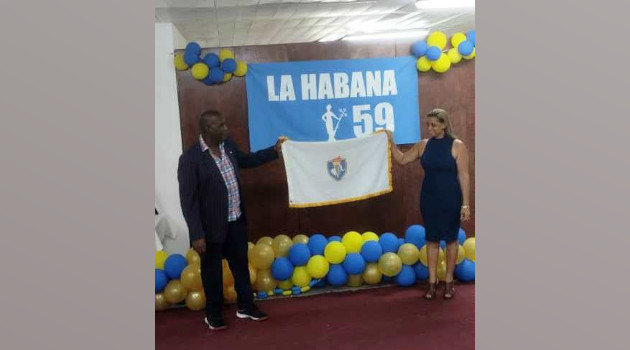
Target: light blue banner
332, 100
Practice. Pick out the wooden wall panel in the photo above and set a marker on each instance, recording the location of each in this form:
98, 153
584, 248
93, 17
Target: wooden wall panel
265, 190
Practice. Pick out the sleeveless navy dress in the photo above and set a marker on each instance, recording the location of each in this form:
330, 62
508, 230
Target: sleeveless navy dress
441, 194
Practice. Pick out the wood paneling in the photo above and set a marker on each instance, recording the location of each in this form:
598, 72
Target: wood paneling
265, 190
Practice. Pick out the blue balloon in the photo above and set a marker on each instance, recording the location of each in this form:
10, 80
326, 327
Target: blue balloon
296, 290
389, 242
208, 80
174, 265
465, 271
433, 53
191, 58
422, 272
401, 241
406, 277
354, 264
465, 48
211, 60
461, 236
321, 283
471, 36
228, 65
371, 251
193, 47
281, 269
337, 276
216, 74
419, 48
317, 244
458, 268
299, 254
443, 244
160, 280
415, 235
334, 238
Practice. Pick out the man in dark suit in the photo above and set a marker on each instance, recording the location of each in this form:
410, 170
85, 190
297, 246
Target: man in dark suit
209, 188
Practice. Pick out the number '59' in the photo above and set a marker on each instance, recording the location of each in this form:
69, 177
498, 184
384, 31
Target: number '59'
364, 121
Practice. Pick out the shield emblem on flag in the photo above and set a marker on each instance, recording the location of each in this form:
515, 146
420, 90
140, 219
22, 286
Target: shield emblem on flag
337, 167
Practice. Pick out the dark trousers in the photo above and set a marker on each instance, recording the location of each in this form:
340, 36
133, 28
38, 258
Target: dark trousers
234, 249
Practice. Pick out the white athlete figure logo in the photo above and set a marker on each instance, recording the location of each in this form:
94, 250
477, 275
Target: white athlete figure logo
328, 121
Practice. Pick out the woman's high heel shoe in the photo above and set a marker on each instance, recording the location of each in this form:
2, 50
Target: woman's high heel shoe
431, 291
449, 290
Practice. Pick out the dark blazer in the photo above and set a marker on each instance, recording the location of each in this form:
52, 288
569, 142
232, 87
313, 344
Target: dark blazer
202, 190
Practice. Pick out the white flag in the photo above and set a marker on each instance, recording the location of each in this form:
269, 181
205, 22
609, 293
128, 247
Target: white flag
324, 173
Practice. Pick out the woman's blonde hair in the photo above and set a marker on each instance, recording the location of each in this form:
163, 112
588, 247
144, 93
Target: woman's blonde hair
442, 117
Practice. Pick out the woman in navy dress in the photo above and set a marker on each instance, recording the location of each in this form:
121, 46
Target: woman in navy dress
444, 198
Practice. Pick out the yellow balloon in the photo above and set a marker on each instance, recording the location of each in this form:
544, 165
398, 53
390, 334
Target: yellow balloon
423, 64
175, 292
390, 264
265, 240
191, 277
441, 256
262, 256
265, 281
229, 294
442, 64
241, 68
441, 271
335, 252
281, 245
250, 247
469, 248
227, 77
160, 302
454, 55
471, 56
461, 254
300, 277
196, 300
286, 285
228, 277
355, 280
160, 258
180, 64
457, 38
252, 274
192, 257
372, 275
300, 239
408, 253
352, 241
422, 256
225, 54
317, 266
437, 39
369, 236
200, 71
